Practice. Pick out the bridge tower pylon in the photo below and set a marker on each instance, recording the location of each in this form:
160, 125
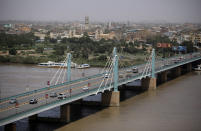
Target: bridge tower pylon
153, 63
112, 98
115, 69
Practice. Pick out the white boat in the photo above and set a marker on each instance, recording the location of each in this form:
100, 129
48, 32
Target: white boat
198, 68
48, 64
56, 64
83, 66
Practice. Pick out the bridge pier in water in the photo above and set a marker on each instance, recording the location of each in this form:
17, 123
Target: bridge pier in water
189, 67
33, 118
10, 127
176, 72
148, 83
111, 98
162, 77
65, 113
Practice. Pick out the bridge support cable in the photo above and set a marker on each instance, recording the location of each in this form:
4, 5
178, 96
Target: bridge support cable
111, 81
62, 72
65, 75
106, 65
53, 78
147, 66
109, 73
106, 73
62, 68
112, 69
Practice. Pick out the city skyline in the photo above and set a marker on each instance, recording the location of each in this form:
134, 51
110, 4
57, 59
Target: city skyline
180, 11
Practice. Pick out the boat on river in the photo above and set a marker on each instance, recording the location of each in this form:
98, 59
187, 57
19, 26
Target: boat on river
198, 68
52, 64
83, 66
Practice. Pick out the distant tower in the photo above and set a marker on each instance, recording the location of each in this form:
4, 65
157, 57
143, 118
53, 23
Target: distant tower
86, 22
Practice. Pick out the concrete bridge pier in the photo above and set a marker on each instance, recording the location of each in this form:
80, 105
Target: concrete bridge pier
111, 98
10, 127
176, 72
65, 113
33, 117
189, 67
163, 77
148, 83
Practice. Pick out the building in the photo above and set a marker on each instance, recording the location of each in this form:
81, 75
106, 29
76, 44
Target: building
86, 22
40, 35
196, 38
100, 35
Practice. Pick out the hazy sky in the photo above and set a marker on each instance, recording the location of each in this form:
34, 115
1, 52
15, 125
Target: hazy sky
102, 10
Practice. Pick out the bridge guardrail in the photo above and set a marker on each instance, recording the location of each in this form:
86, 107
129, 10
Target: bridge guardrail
47, 88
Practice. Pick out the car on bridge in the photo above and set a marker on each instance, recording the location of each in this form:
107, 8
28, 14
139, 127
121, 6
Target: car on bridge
135, 69
128, 75
106, 75
53, 94
176, 60
33, 101
13, 101
85, 88
121, 76
61, 96
128, 71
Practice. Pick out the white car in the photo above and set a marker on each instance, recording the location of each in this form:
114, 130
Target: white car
135, 70
85, 88
128, 70
13, 101
106, 75
61, 96
33, 101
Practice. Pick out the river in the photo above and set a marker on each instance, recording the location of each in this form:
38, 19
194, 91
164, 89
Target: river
174, 106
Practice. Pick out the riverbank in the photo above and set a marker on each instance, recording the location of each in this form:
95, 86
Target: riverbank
40, 59
174, 106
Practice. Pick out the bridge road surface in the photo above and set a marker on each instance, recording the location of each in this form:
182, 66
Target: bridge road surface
7, 109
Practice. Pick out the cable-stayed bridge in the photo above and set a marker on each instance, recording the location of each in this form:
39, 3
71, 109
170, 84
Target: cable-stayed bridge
107, 82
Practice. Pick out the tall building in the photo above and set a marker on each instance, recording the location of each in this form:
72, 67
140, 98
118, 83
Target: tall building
86, 22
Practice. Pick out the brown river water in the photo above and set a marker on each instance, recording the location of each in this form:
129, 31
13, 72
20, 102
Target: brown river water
174, 106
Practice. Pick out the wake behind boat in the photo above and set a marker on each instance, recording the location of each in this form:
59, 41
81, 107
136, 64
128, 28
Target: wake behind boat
198, 68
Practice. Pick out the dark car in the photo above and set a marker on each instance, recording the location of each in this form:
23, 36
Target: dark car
62, 96
33, 101
53, 94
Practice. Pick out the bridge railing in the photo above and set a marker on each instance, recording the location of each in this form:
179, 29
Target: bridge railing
50, 87
184, 61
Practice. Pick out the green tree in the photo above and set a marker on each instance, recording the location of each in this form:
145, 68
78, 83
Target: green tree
12, 51
189, 46
59, 50
102, 58
39, 50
